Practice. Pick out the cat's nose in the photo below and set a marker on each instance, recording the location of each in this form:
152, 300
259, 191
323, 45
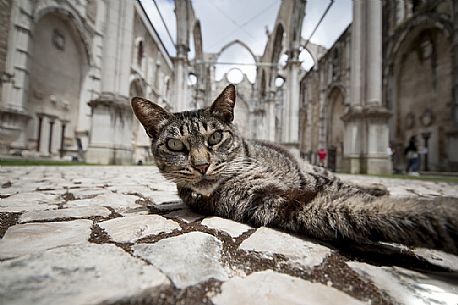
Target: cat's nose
201, 167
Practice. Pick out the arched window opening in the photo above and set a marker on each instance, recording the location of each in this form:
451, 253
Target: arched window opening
140, 53
242, 61
306, 59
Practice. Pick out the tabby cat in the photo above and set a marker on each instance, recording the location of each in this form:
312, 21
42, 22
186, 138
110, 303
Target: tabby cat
217, 172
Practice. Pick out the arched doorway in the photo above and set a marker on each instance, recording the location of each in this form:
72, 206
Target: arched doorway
58, 66
335, 136
423, 95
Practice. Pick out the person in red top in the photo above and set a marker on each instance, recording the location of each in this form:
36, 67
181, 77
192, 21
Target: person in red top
322, 154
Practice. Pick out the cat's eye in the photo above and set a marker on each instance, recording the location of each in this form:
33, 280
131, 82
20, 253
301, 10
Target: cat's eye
215, 138
175, 145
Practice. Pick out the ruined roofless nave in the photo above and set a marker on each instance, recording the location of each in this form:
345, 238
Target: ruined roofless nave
69, 67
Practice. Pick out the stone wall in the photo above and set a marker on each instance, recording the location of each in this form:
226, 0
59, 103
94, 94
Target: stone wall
418, 78
58, 65
5, 14
417, 85
324, 94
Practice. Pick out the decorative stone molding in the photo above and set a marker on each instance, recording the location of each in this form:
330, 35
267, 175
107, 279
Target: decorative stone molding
354, 113
111, 100
12, 123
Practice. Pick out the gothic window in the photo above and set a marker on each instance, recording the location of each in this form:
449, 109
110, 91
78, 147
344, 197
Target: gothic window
140, 53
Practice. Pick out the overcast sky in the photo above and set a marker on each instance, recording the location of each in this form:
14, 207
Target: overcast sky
225, 20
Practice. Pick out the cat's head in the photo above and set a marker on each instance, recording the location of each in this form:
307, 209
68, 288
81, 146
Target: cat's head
192, 148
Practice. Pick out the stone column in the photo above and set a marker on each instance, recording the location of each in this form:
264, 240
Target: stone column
111, 121
292, 103
270, 116
14, 95
455, 62
182, 49
180, 62
452, 135
366, 122
373, 48
377, 137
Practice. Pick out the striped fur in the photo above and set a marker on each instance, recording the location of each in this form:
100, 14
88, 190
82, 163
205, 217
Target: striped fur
263, 185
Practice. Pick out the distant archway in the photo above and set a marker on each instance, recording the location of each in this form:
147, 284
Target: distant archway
230, 53
335, 130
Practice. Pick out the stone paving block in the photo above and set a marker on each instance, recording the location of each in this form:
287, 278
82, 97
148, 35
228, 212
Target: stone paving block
233, 228
269, 242
84, 193
143, 191
132, 228
187, 259
135, 212
407, 287
162, 197
118, 202
269, 287
438, 258
185, 215
77, 212
58, 192
29, 202
77, 274
32, 237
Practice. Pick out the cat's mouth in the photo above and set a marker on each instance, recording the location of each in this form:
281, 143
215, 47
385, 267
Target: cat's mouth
205, 184
206, 179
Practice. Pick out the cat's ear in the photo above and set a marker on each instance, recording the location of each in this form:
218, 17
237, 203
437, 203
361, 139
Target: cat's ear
224, 104
151, 116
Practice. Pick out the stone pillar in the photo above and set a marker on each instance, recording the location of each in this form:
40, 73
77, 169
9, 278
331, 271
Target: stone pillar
182, 49
200, 96
452, 135
322, 128
180, 62
292, 103
455, 62
270, 117
366, 122
13, 117
111, 115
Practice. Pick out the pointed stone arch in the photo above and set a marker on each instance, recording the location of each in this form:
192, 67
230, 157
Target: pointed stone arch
78, 25
197, 36
234, 43
278, 42
335, 127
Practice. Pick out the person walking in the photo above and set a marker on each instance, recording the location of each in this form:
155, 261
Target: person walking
322, 154
412, 156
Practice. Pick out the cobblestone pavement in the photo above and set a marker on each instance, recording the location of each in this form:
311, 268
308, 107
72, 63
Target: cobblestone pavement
120, 235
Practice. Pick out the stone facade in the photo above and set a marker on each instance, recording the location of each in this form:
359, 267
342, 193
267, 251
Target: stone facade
73, 68
5, 8
356, 116
324, 100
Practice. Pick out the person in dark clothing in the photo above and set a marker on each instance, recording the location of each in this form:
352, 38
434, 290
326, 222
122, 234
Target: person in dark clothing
412, 156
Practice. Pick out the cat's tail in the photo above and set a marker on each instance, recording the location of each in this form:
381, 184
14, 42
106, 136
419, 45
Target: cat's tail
361, 218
